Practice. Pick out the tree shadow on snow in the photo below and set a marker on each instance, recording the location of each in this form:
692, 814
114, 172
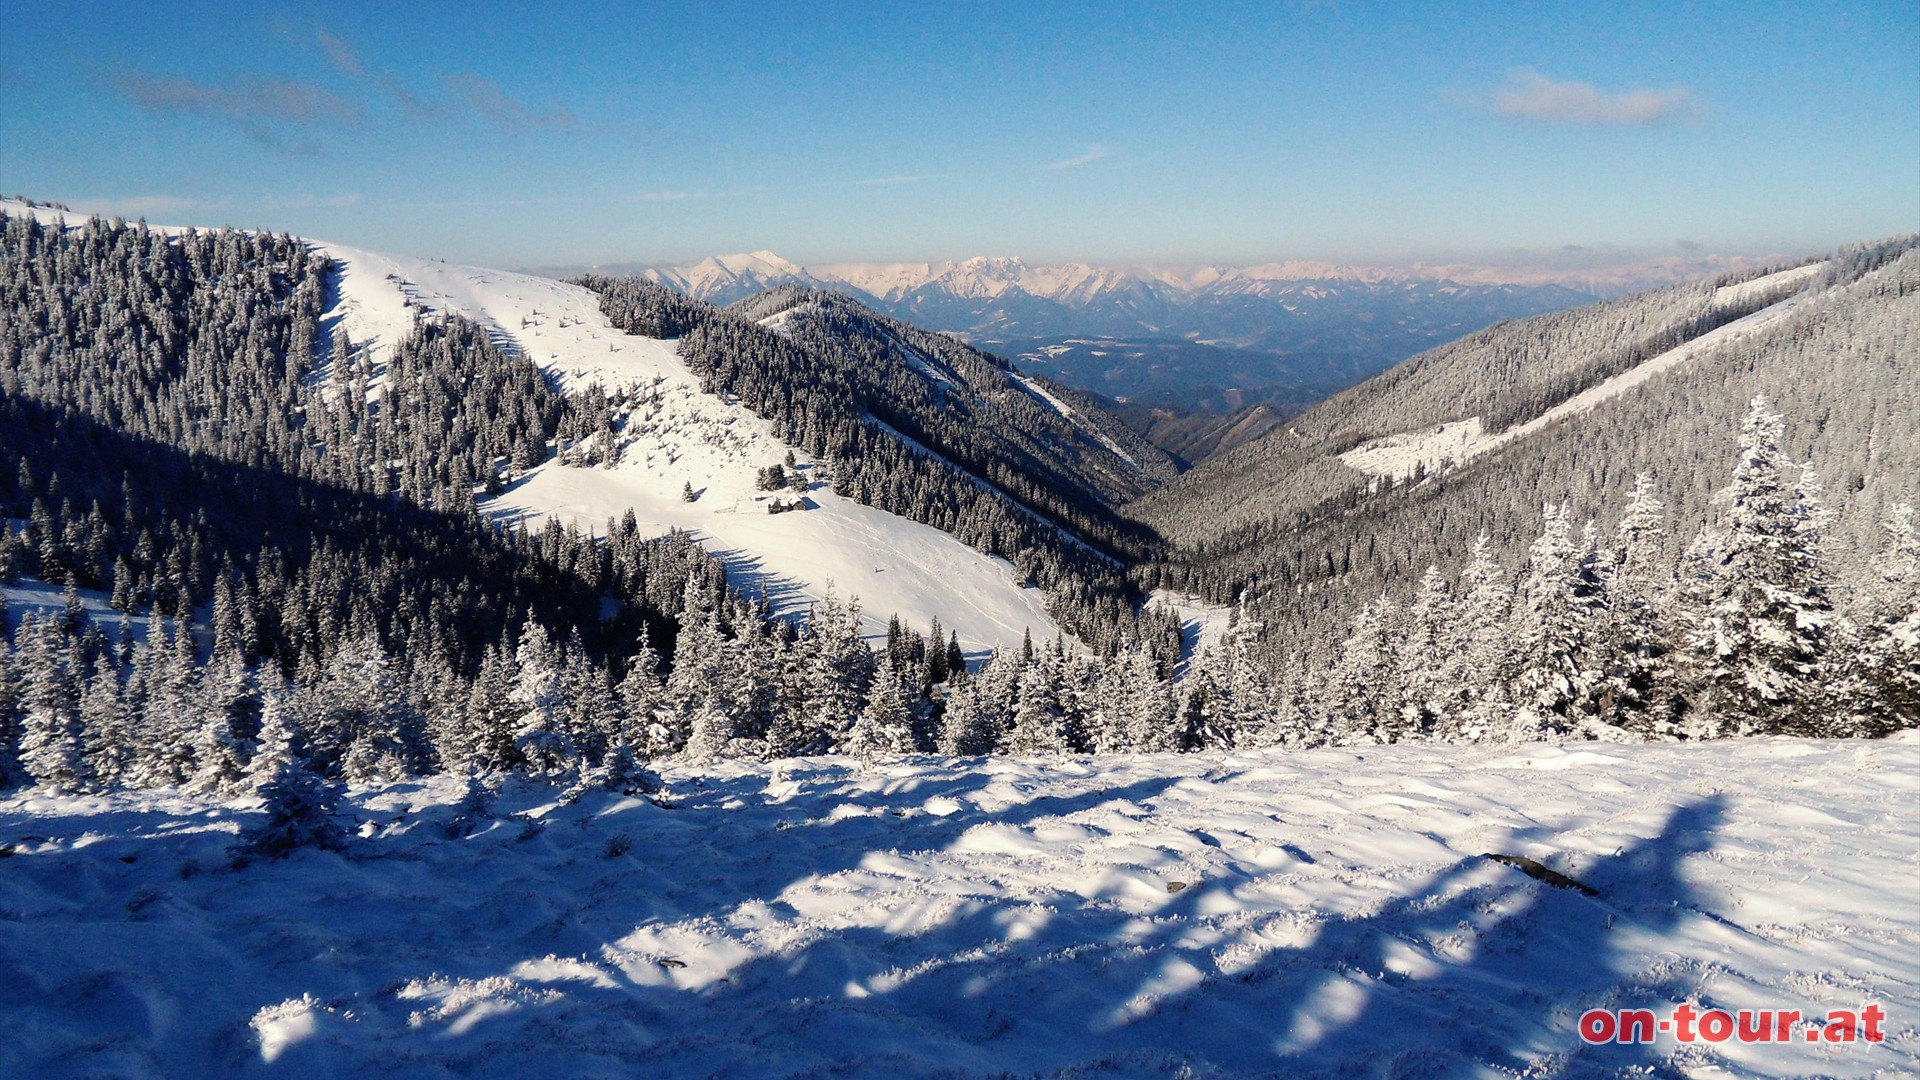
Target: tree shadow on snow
1478, 968
1101, 991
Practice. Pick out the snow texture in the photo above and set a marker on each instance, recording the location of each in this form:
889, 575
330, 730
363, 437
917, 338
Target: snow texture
1315, 913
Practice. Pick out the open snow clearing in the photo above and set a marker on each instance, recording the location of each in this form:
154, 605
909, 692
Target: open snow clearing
1319, 913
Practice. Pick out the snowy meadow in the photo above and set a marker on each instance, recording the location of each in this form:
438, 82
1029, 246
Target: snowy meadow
1325, 912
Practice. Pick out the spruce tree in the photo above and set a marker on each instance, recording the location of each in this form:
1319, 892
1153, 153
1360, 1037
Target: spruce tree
221, 744
710, 732
278, 743
1758, 617
106, 728
1554, 631
302, 811
1637, 690
885, 726
1881, 686
539, 737
50, 748
1481, 663
1423, 655
965, 728
1037, 730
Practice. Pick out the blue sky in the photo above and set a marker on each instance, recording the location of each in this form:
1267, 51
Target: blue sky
1108, 132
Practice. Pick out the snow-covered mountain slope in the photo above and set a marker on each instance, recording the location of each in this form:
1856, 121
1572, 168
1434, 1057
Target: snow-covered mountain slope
968, 406
1406, 455
1284, 333
725, 278
722, 279
1570, 406
1324, 913
685, 436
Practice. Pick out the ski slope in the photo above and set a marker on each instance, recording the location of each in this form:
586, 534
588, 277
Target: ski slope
1325, 913
1403, 456
684, 435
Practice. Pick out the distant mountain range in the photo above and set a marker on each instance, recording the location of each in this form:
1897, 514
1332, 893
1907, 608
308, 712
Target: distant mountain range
1185, 347
722, 279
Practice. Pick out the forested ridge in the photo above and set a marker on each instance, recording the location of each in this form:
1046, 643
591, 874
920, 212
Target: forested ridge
273, 569
927, 428
1313, 538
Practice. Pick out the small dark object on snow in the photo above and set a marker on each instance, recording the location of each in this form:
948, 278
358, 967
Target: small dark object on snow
670, 962
1536, 871
1176, 886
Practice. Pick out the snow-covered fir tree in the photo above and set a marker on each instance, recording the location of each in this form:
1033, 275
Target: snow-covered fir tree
1481, 653
1424, 654
221, 744
709, 732
50, 749
1555, 628
540, 733
1758, 617
885, 725
302, 811
1636, 693
967, 725
1039, 727
1881, 674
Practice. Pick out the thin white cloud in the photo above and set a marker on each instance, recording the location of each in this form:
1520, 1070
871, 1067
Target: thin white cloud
1093, 154
250, 99
347, 62
487, 98
308, 201
340, 55
891, 181
1530, 95
690, 196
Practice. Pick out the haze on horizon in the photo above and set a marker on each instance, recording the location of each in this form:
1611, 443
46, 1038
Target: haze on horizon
1112, 134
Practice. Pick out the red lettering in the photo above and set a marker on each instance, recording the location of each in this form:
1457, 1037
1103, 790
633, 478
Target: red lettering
1873, 1015
1683, 1015
1716, 1025
1754, 1024
1839, 1026
1597, 1025
1783, 1022
1636, 1025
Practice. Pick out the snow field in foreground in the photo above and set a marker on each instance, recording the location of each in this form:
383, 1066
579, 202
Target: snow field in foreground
1312, 913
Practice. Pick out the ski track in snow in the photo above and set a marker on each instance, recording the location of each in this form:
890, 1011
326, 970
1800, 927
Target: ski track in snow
890, 564
1296, 914
1074, 418
1401, 456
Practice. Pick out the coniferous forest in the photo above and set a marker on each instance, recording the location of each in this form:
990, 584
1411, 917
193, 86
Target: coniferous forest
274, 575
